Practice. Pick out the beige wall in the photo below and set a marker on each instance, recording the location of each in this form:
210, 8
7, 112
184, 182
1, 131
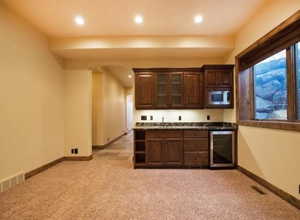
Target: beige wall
98, 111
31, 99
129, 108
109, 108
78, 112
186, 115
270, 154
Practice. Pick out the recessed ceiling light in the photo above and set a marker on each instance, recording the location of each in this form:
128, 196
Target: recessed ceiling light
79, 20
138, 19
129, 76
198, 19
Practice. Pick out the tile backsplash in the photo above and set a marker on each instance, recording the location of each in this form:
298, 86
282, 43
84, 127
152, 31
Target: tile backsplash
186, 115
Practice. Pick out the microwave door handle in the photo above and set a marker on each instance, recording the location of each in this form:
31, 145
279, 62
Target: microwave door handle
228, 97
224, 97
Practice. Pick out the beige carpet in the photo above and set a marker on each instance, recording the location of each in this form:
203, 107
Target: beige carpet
108, 188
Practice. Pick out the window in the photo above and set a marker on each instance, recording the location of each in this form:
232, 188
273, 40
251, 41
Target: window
270, 88
268, 79
298, 78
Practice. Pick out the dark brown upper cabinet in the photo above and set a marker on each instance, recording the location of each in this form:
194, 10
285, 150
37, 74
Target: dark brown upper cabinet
180, 88
176, 90
193, 90
162, 89
218, 76
169, 90
144, 90
218, 86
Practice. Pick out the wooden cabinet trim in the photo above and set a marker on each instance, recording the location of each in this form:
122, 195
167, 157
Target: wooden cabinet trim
191, 69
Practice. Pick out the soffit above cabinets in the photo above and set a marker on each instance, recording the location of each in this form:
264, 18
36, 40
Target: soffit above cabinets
114, 48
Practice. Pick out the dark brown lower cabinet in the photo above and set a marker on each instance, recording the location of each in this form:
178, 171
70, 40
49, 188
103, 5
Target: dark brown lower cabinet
196, 152
154, 152
173, 153
196, 159
164, 152
173, 148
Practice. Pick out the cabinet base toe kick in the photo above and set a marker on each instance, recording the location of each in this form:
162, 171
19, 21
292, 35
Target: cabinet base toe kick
170, 167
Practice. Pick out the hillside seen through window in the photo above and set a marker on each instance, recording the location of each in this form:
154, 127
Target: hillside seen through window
270, 88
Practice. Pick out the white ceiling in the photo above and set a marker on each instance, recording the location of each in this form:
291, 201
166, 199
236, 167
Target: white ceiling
110, 35
161, 17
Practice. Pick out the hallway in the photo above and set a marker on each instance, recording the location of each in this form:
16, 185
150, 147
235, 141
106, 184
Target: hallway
107, 187
122, 149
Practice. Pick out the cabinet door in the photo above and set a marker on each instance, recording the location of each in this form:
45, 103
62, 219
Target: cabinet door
210, 78
162, 90
193, 90
218, 78
154, 151
176, 90
196, 159
173, 152
144, 90
227, 78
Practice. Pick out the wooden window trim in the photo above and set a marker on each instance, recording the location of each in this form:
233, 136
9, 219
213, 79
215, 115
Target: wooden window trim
288, 28
283, 125
295, 76
291, 86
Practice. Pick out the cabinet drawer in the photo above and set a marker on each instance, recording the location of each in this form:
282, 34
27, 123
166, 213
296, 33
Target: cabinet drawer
196, 159
195, 133
195, 144
153, 134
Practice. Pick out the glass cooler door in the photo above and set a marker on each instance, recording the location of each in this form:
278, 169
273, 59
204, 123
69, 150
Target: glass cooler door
222, 149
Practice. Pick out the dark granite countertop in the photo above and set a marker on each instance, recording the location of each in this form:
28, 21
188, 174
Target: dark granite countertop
211, 126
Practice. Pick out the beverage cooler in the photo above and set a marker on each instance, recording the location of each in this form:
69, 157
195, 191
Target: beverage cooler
222, 149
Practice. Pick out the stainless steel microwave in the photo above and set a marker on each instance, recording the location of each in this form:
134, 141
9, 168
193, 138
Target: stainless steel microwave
221, 97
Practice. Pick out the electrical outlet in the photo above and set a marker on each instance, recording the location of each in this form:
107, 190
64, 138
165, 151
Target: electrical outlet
144, 118
74, 150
